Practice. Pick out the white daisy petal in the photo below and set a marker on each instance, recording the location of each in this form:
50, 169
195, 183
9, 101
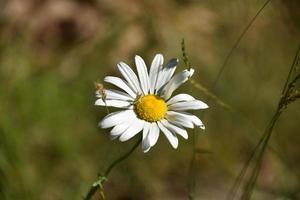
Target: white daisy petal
98, 95
113, 103
121, 127
146, 150
193, 118
121, 84
179, 120
143, 74
154, 71
188, 105
175, 82
145, 142
113, 137
171, 66
130, 77
134, 129
170, 136
115, 95
187, 117
166, 73
153, 134
177, 129
179, 98
115, 118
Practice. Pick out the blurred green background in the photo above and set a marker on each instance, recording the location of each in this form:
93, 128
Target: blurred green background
52, 52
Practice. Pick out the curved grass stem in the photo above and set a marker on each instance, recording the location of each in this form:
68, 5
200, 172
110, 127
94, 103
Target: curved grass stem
221, 70
295, 61
257, 155
237, 42
98, 185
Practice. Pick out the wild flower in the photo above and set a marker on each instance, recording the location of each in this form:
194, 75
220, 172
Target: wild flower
147, 104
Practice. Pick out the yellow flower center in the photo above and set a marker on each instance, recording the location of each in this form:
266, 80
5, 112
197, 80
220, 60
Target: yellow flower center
151, 108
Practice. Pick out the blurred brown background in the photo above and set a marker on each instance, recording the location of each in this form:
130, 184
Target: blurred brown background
52, 52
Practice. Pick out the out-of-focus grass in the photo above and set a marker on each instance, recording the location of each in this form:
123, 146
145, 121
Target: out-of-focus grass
50, 56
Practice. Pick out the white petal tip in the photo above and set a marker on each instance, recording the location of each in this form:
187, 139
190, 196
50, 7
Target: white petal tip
99, 102
202, 105
113, 137
145, 146
120, 64
205, 106
160, 56
97, 94
100, 125
202, 127
146, 150
191, 72
172, 63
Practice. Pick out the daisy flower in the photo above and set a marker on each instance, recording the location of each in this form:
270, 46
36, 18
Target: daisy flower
147, 104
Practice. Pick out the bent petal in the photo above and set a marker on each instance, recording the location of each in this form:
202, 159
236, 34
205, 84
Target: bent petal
175, 82
166, 74
186, 118
177, 129
179, 120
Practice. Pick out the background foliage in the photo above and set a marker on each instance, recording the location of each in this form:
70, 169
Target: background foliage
52, 52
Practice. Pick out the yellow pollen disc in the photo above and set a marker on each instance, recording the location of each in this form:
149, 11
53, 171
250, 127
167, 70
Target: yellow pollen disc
151, 108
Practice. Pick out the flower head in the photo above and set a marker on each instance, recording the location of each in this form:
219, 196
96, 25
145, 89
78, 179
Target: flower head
147, 104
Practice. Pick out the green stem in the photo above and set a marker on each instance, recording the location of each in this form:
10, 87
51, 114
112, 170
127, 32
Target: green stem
221, 70
91, 192
246, 195
260, 148
237, 42
291, 70
98, 185
126, 155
